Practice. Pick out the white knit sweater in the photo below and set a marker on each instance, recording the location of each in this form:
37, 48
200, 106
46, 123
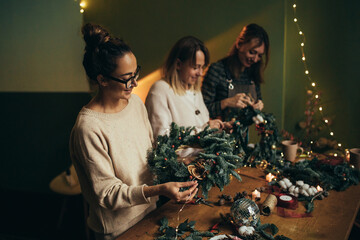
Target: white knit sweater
164, 107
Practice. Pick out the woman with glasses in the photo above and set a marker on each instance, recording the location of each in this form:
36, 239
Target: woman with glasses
177, 97
110, 139
234, 81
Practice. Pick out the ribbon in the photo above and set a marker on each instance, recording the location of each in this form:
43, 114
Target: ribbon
288, 214
215, 229
287, 201
332, 160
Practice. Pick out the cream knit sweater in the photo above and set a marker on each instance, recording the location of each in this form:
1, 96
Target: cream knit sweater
109, 153
164, 107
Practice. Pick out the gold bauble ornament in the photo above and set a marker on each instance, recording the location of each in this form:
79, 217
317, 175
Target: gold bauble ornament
262, 165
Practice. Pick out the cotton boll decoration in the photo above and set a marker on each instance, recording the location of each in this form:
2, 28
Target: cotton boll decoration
282, 184
288, 184
242, 230
250, 230
246, 231
299, 183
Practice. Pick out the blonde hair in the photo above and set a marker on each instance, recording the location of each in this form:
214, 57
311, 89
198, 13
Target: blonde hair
184, 49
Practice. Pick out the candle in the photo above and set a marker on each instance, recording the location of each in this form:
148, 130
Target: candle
269, 177
319, 188
255, 194
347, 155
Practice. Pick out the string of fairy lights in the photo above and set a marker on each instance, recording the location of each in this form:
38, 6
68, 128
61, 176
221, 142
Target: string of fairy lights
82, 5
313, 84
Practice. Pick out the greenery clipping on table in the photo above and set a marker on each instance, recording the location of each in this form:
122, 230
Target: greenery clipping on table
315, 172
170, 233
268, 230
213, 166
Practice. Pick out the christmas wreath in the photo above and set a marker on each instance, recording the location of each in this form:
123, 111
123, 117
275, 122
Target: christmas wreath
206, 156
264, 152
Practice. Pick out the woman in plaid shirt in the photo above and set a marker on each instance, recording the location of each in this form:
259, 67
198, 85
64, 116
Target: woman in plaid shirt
234, 81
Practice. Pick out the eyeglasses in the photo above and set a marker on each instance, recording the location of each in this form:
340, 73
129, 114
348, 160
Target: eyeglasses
128, 82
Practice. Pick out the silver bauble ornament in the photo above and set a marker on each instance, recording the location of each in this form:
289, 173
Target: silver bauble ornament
245, 212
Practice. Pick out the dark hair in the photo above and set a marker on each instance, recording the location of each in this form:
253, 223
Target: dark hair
184, 49
249, 32
101, 51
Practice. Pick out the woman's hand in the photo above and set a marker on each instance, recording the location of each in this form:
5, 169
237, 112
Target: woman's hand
258, 105
172, 190
240, 100
229, 125
216, 123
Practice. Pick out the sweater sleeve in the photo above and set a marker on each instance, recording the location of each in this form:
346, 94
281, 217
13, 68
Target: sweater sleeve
158, 110
209, 91
96, 173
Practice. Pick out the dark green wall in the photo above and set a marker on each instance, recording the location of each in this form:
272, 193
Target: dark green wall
332, 52
42, 88
35, 141
41, 46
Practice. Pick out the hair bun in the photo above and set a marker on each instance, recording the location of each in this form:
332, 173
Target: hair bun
94, 35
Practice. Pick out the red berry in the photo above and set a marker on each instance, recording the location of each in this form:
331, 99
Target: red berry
172, 146
217, 154
191, 177
198, 137
165, 159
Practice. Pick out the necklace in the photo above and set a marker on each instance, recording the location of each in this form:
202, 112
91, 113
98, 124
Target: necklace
197, 111
231, 86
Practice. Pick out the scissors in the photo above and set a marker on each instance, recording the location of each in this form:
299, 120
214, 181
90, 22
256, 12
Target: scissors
200, 200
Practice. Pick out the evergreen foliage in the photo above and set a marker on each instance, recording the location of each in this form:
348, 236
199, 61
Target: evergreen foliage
216, 163
266, 127
314, 172
170, 233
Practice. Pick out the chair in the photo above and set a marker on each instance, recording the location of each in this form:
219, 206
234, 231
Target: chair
67, 184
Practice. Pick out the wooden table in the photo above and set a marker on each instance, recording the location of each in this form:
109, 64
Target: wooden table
332, 218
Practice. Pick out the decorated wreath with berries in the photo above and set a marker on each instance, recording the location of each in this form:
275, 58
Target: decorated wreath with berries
206, 156
264, 152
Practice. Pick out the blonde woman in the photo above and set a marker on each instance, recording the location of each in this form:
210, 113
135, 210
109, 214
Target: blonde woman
177, 97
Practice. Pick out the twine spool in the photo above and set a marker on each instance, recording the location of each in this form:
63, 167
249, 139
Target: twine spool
269, 205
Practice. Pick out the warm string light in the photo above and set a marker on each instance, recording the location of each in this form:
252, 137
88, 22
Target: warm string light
82, 5
306, 70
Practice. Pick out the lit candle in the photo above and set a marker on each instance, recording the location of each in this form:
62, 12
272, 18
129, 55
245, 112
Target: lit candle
347, 155
269, 177
319, 188
255, 194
